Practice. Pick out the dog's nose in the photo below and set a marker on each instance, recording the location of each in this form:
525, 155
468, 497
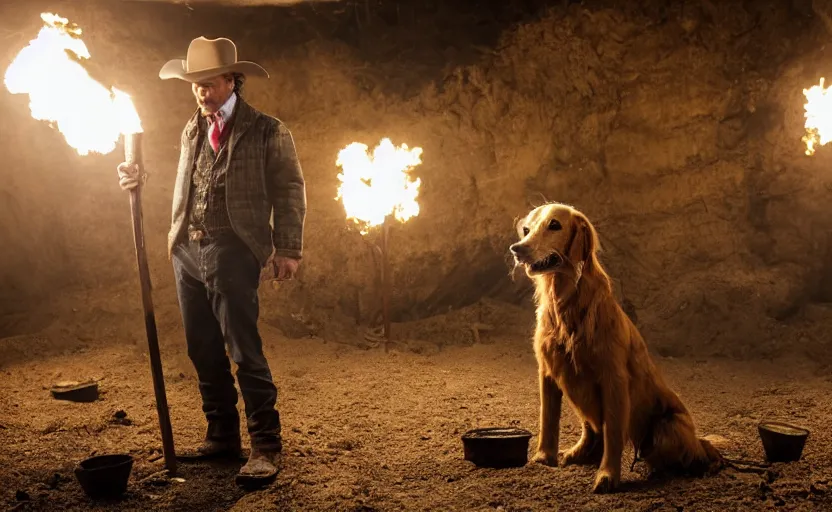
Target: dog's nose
520, 250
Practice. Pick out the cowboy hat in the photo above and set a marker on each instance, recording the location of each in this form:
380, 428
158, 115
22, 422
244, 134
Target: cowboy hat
207, 58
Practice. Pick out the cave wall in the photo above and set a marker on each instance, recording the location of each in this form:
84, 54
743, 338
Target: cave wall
676, 128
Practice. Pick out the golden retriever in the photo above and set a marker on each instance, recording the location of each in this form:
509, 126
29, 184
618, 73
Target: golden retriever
589, 351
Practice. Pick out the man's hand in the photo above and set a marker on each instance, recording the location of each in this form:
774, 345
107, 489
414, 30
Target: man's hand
280, 268
128, 176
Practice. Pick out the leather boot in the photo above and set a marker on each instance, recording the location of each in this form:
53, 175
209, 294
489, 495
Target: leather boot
261, 468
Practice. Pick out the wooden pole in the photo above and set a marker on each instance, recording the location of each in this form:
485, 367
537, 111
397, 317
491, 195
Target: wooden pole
385, 282
133, 155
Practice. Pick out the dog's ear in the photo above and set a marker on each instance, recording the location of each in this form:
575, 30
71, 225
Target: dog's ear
518, 226
584, 239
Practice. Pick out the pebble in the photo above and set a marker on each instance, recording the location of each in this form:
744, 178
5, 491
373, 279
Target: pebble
53, 481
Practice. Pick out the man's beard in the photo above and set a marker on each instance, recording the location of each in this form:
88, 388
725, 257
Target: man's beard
207, 108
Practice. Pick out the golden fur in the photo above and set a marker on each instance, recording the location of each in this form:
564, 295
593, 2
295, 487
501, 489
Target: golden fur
589, 351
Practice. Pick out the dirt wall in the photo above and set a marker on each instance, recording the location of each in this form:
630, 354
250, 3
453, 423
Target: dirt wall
676, 128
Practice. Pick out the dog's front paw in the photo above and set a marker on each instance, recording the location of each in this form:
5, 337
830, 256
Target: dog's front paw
605, 482
545, 458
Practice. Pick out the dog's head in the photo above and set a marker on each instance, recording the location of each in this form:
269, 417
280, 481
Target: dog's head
554, 238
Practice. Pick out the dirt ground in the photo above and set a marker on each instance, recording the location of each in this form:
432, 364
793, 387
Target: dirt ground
368, 430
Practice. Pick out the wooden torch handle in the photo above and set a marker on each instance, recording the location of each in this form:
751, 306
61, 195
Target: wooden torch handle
133, 155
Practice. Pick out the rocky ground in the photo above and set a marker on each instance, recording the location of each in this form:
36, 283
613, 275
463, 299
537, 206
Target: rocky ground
368, 430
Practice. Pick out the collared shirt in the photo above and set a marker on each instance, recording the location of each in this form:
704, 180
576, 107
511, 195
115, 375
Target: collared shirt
224, 112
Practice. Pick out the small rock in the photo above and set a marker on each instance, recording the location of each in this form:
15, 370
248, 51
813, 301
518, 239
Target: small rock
120, 418
345, 445
53, 481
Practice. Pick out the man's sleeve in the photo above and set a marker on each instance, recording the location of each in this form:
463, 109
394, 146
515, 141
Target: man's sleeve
287, 191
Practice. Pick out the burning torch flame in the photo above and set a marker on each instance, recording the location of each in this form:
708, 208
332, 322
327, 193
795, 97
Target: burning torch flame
373, 188
818, 117
90, 116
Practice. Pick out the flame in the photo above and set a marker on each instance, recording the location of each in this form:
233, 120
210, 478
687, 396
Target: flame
373, 188
90, 116
818, 117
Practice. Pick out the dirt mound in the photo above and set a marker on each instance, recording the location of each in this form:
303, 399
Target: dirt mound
675, 128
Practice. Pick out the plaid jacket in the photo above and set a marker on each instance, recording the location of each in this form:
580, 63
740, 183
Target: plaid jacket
263, 176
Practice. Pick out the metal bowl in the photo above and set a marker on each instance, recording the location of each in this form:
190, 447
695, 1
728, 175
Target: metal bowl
497, 447
73, 392
104, 476
782, 442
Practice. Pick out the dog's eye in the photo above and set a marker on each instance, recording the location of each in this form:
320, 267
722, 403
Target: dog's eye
525, 231
554, 225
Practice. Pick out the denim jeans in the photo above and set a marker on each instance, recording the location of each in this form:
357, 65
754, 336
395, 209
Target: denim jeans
216, 281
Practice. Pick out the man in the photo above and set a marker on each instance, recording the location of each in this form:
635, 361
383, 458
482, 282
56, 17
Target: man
237, 166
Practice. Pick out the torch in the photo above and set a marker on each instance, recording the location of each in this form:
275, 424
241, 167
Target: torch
818, 114
133, 156
91, 118
375, 191
385, 281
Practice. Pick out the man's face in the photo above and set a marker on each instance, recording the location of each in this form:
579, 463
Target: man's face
213, 92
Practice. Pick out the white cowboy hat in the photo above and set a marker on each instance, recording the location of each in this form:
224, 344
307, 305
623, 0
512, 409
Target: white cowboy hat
207, 58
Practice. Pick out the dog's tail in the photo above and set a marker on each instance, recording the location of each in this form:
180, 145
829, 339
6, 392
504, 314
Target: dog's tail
713, 459
675, 447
